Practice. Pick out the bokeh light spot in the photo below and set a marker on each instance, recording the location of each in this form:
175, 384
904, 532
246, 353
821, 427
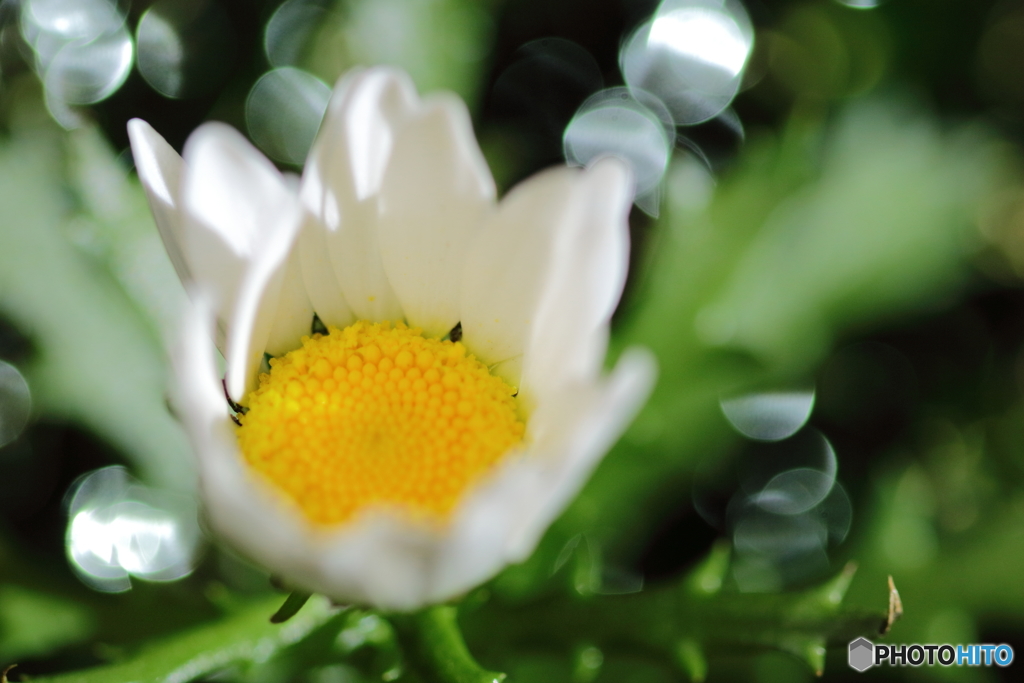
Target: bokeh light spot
185, 47
15, 403
118, 529
703, 35
860, 4
549, 79
769, 416
690, 55
86, 73
290, 29
73, 19
284, 111
613, 122
82, 52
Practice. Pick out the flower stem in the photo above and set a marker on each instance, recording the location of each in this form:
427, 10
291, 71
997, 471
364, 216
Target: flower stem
690, 620
434, 644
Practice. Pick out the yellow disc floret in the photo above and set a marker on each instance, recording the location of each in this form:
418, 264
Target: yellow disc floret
377, 415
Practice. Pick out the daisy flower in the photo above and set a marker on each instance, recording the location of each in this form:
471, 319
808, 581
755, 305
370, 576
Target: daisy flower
434, 396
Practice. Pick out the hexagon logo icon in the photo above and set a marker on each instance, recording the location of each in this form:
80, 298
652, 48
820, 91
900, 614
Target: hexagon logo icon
862, 654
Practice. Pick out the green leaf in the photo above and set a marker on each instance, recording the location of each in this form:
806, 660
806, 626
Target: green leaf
831, 228
34, 624
114, 226
100, 361
246, 637
290, 608
686, 623
691, 660
884, 228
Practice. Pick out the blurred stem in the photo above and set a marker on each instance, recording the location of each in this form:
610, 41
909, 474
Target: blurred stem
434, 644
686, 621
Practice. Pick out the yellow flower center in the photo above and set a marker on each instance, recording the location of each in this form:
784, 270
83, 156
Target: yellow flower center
377, 415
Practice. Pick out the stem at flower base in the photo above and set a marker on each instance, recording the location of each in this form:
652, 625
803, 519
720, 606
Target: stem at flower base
435, 647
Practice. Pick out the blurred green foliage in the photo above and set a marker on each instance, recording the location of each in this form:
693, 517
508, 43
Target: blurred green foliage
442, 44
84, 276
846, 216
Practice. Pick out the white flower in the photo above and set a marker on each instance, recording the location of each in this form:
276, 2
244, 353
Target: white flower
395, 219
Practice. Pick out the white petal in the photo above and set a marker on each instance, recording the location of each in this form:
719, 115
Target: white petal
503, 520
257, 309
510, 369
436, 191
535, 246
570, 333
242, 220
294, 316
508, 265
575, 429
342, 180
231, 189
240, 507
159, 168
378, 559
381, 558
233, 200
318, 275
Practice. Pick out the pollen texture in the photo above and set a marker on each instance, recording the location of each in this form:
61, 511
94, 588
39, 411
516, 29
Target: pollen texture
377, 414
